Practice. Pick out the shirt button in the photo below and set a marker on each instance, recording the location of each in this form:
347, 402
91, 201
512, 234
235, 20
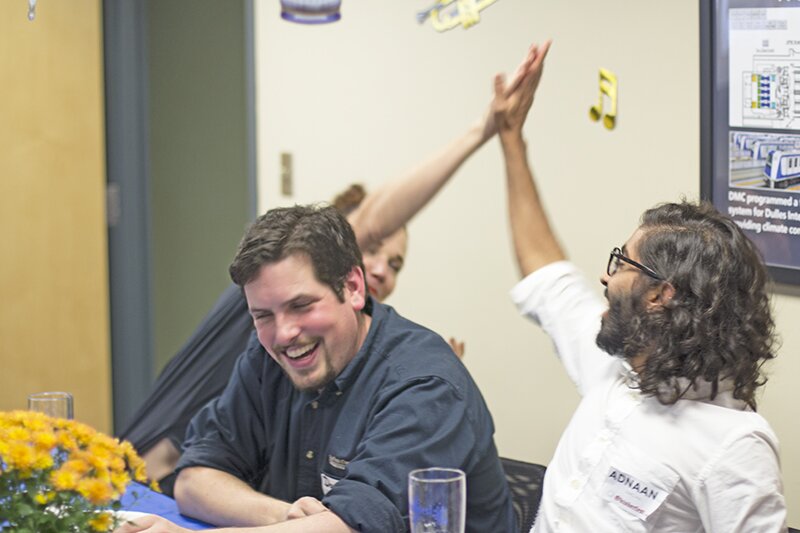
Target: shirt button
310, 454
575, 484
338, 393
314, 404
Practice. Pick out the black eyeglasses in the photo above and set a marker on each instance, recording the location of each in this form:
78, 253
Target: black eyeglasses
616, 256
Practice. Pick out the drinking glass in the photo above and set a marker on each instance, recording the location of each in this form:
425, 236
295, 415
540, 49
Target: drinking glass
437, 500
56, 404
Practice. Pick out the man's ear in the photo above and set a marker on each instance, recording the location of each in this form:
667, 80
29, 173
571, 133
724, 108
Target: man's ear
355, 288
660, 295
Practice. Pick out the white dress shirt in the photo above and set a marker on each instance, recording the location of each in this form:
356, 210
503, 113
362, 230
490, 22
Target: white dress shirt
628, 463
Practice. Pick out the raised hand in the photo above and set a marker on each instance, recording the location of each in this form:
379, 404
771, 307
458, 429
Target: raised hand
458, 347
489, 126
513, 101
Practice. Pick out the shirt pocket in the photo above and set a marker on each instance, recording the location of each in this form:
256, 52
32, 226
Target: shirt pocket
635, 488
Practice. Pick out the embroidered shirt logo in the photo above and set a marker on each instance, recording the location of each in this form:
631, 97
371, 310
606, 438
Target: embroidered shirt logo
327, 482
632, 495
339, 464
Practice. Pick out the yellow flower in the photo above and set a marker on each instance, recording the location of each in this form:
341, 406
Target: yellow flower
20, 456
82, 433
95, 491
120, 480
42, 460
44, 440
117, 464
46, 461
139, 473
19, 434
78, 465
44, 498
37, 423
99, 456
102, 522
64, 479
66, 441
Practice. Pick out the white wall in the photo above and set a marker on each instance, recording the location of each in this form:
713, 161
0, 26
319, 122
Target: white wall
368, 96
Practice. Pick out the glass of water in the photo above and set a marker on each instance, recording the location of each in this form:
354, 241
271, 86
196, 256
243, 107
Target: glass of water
56, 404
437, 500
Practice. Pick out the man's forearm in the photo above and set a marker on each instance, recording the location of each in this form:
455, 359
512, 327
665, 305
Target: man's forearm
326, 521
535, 243
222, 499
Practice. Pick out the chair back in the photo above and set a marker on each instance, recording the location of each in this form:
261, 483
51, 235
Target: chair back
525, 482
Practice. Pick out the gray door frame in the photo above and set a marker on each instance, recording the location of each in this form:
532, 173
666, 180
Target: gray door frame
128, 188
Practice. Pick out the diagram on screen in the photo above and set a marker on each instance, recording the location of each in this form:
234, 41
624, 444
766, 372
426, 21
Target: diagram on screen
765, 68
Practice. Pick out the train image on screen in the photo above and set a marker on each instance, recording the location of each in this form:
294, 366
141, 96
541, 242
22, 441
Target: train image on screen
782, 169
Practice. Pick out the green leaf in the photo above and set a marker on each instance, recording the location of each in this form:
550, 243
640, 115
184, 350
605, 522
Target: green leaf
24, 509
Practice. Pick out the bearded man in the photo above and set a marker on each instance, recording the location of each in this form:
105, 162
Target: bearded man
666, 437
335, 401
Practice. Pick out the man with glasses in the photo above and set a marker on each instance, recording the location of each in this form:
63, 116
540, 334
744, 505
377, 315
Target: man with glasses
666, 437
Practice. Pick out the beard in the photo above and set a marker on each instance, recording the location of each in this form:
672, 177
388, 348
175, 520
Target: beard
316, 386
310, 379
621, 325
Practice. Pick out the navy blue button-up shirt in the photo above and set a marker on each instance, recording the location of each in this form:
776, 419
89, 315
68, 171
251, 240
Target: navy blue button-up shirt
405, 401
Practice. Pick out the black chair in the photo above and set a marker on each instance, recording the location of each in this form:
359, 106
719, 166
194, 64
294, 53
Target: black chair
525, 482
793, 530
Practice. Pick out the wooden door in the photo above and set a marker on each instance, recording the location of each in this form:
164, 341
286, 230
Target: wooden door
54, 331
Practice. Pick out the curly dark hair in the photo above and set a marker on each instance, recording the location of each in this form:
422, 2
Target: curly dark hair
718, 324
320, 232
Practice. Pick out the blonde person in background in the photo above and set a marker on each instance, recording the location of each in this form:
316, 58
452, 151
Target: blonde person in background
383, 260
379, 222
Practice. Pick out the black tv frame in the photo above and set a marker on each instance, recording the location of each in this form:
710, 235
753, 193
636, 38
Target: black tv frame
716, 131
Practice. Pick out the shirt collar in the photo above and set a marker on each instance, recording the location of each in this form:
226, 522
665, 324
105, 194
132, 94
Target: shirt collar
700, 390
350, 374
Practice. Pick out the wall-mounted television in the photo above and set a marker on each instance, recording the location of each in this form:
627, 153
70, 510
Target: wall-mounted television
750, 122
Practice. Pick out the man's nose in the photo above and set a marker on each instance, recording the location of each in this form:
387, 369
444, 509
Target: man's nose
286, 330
604, 279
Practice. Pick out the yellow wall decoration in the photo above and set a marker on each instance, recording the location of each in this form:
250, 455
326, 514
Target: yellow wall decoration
608, 87
464, 12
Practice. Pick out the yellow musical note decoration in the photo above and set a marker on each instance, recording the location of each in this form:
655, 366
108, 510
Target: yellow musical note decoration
608, 87
465, 13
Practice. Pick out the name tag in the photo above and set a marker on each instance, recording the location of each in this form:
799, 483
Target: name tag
327, 482
635, 496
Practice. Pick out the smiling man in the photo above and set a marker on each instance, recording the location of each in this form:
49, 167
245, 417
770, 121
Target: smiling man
666, 437
335, 401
